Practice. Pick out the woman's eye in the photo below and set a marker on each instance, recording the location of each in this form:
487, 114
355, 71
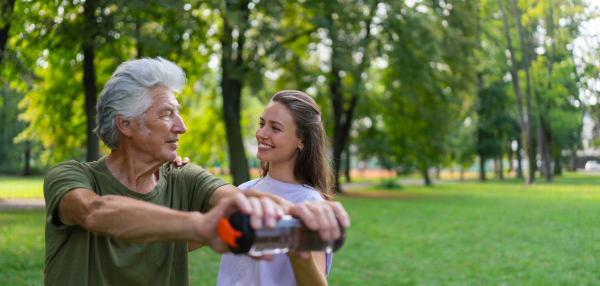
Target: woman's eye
276, 129
261, 124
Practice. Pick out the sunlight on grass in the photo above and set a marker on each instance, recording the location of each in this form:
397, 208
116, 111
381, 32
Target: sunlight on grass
21, 187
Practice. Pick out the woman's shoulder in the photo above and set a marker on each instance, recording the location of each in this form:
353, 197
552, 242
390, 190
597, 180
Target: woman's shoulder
248, 185
313, 195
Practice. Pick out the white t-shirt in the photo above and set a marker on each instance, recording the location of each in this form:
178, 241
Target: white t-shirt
243, 270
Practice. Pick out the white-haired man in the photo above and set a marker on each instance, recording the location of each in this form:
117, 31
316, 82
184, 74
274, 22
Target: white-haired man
127, 218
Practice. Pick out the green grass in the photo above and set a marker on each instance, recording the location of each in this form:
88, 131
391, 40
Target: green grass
21, 248
21, 187
493, 233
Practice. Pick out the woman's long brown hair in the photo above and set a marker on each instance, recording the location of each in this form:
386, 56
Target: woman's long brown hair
312, 167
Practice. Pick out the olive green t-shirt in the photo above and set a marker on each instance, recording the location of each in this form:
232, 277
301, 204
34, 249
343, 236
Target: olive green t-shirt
75, 256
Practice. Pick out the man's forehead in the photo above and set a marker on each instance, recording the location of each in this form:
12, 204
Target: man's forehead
166, 100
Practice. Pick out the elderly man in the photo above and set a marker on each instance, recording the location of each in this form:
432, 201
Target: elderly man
127, 218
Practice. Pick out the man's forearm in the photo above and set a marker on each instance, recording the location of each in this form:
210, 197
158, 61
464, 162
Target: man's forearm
141, 222
127, 219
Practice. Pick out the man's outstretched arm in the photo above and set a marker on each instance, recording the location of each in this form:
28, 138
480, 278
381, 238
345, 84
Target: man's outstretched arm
142, 222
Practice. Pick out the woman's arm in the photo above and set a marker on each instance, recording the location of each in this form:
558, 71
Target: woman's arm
309, 271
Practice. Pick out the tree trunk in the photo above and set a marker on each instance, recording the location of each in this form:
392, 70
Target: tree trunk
510, 159
425, 174
541, 148
343, 110
481, 168
89, 81
462, 173
525, 132
501, 167
231, 85
7, 9
519, 161
557, 166
530, 146
27, 170
545, 127
347, 167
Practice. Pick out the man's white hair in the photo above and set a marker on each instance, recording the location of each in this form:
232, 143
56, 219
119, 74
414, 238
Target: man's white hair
127, 93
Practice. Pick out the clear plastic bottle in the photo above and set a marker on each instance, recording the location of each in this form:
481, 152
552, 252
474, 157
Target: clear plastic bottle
288, 235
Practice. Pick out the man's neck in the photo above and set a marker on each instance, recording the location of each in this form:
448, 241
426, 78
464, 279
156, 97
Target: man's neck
137, 172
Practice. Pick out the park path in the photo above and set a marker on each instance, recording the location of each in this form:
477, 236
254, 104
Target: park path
22, 204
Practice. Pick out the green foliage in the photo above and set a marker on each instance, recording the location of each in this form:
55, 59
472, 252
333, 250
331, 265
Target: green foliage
411, 65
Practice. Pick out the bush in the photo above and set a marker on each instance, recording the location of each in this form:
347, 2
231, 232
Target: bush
389, 184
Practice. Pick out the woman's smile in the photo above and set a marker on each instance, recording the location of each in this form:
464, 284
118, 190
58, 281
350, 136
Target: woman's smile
264, 147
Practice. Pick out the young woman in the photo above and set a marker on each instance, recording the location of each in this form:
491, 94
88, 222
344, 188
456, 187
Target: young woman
292, 148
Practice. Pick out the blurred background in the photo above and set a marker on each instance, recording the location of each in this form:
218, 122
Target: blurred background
405, 86
492, 103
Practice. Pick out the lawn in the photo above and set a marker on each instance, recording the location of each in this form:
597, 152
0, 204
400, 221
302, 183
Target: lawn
493, 233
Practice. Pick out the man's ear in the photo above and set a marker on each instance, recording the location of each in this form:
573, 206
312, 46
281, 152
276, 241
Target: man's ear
124, 126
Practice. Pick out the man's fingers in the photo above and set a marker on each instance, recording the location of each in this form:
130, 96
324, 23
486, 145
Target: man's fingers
236, 202
186, 160
269, 212
257, 216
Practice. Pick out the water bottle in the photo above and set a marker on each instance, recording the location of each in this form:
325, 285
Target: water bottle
288, 235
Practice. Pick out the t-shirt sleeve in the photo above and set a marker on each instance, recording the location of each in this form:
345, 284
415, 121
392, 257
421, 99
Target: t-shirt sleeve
203, 184
58, 181
313, 196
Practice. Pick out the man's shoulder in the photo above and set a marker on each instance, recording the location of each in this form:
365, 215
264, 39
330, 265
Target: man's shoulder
71, 165
188, 169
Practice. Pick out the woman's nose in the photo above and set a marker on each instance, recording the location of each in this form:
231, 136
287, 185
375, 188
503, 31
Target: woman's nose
261, 133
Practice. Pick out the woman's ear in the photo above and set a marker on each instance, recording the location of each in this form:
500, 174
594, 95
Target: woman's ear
301, 145
124, 126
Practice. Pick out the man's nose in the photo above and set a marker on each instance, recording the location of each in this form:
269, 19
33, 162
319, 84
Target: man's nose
179, 126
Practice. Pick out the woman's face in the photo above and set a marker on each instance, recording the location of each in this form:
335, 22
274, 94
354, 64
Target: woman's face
276, 135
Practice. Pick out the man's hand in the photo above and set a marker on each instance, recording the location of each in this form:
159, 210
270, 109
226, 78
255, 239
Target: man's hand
260, 210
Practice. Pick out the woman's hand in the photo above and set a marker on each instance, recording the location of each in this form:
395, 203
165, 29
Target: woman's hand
179, 162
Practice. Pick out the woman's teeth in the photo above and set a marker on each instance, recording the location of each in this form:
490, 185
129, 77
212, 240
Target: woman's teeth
265, 146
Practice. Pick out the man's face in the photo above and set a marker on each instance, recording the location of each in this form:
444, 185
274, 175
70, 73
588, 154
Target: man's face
159, 133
